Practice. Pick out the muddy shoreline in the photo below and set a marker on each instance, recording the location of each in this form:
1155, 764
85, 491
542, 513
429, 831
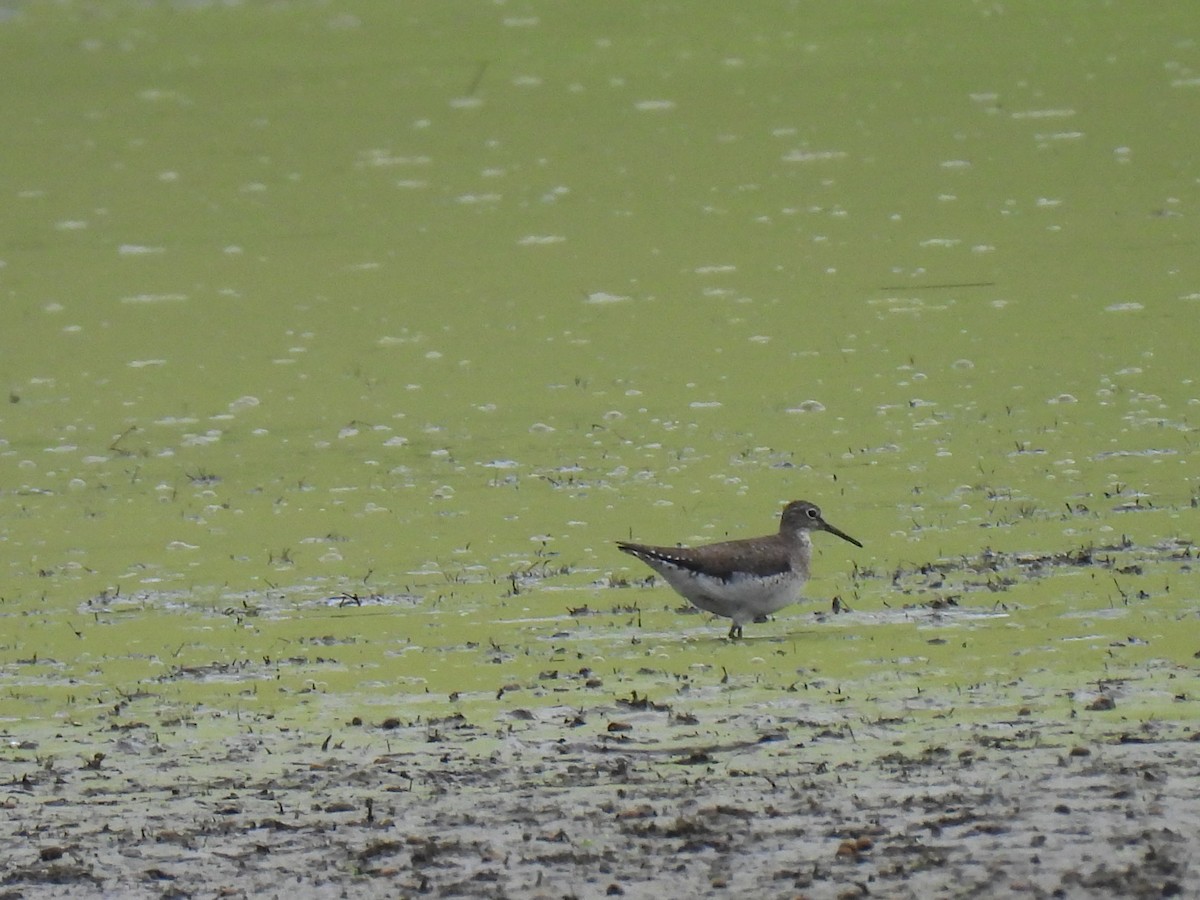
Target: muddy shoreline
606, 802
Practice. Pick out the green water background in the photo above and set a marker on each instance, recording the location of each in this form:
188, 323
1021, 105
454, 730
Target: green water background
426, 303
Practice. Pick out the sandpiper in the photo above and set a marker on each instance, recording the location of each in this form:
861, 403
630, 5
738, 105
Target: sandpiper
743, 580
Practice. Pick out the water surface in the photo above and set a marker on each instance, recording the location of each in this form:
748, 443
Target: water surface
342, 341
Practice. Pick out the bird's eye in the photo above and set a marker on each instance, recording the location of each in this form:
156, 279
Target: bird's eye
812, 512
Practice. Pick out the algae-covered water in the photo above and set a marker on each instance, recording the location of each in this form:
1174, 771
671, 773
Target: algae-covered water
341, 341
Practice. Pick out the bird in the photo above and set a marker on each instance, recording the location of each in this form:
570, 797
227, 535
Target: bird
743, 580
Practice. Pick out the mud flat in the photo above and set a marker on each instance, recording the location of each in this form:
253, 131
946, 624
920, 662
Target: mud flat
617, 799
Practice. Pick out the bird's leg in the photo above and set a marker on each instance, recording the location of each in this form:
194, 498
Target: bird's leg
735, 631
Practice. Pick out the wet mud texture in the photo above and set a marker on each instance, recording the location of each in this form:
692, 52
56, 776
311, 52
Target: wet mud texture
562, 805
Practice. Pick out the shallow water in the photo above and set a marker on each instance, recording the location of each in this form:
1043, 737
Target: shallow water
342, 342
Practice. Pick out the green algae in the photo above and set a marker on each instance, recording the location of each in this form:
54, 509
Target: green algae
336, 362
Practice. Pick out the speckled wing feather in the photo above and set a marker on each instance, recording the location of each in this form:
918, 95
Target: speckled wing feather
759, 558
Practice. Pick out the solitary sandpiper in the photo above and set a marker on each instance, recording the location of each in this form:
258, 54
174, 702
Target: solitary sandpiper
743, 580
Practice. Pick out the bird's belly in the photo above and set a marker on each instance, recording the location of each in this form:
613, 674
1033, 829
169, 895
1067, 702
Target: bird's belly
740, 598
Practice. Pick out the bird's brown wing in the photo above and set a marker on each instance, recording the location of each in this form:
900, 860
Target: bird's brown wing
753, 557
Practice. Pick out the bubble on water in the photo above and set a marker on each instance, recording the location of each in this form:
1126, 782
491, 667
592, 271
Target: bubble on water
807, 406
1044, 113
474, 199
200, 440
154, 298
807, 156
